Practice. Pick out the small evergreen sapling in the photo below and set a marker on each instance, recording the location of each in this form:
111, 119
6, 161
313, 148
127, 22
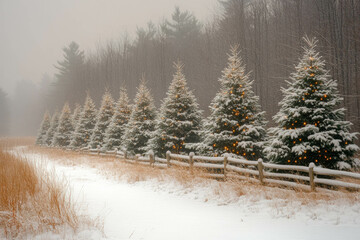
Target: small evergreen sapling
52, 129
310, 127
103, 119
76, 115
236, 125
179, 122
141, 124
45, 125
65, 128
85, 125
116, 129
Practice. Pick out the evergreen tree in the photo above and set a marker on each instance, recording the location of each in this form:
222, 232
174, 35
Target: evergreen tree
182, 25
69, 75
236, 124
141, 124
45, 125
117, 125
76, 115
179, 123
103, 119
310, 127
65, 129
85, 125
52, 129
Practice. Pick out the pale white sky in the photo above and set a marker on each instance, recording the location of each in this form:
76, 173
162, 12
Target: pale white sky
33, 32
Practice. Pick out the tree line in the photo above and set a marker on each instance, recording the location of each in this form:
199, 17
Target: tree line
269, 34
310, 128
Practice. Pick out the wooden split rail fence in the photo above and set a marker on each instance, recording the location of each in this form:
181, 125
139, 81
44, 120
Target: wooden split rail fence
306, 178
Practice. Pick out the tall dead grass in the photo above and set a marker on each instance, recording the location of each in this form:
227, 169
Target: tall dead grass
8, 142
31, 201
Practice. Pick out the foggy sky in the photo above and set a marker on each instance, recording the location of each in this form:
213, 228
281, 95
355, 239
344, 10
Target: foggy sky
33, 32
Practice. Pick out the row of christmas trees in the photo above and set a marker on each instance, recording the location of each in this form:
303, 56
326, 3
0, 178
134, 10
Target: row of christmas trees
309, 126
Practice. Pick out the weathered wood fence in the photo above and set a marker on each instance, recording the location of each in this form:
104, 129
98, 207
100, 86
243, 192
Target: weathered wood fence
306, 178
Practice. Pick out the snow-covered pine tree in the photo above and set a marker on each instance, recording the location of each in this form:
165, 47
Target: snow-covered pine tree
65, 128
52, 130
45, 125
117, 125
85, 125
103, 119
76, 115
179, 123
236, 125
141, 123
310, 127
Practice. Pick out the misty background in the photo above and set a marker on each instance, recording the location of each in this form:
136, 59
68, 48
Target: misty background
55, 51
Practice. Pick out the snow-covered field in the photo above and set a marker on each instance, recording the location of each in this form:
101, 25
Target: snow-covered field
166, 210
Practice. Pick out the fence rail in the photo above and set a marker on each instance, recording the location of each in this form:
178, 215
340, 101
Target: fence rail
302, 177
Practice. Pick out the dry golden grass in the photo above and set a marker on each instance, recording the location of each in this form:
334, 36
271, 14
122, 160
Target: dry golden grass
118, 169
8, 142
31, 200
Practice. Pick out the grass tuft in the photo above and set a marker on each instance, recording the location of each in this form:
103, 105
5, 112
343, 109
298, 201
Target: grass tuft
32, 201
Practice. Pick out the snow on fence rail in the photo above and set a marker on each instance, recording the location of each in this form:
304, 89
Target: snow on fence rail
306, 178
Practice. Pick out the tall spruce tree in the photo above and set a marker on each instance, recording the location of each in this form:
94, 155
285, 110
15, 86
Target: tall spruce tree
45, 125
85, 125
69, 74
103, 119
52, 129
141, 124
236, 124
117, 125
65, 128
179, 123
310, 127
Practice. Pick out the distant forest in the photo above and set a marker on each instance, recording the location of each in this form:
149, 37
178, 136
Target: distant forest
269, 33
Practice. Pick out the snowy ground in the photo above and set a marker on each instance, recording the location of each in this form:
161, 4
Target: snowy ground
153, 210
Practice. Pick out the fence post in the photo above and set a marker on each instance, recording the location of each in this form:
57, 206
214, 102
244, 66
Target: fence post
311, 176
151, 158
261, 170
136, 158
191, 161
168, 158
115, 152
98, 149
225, 163
125, 154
